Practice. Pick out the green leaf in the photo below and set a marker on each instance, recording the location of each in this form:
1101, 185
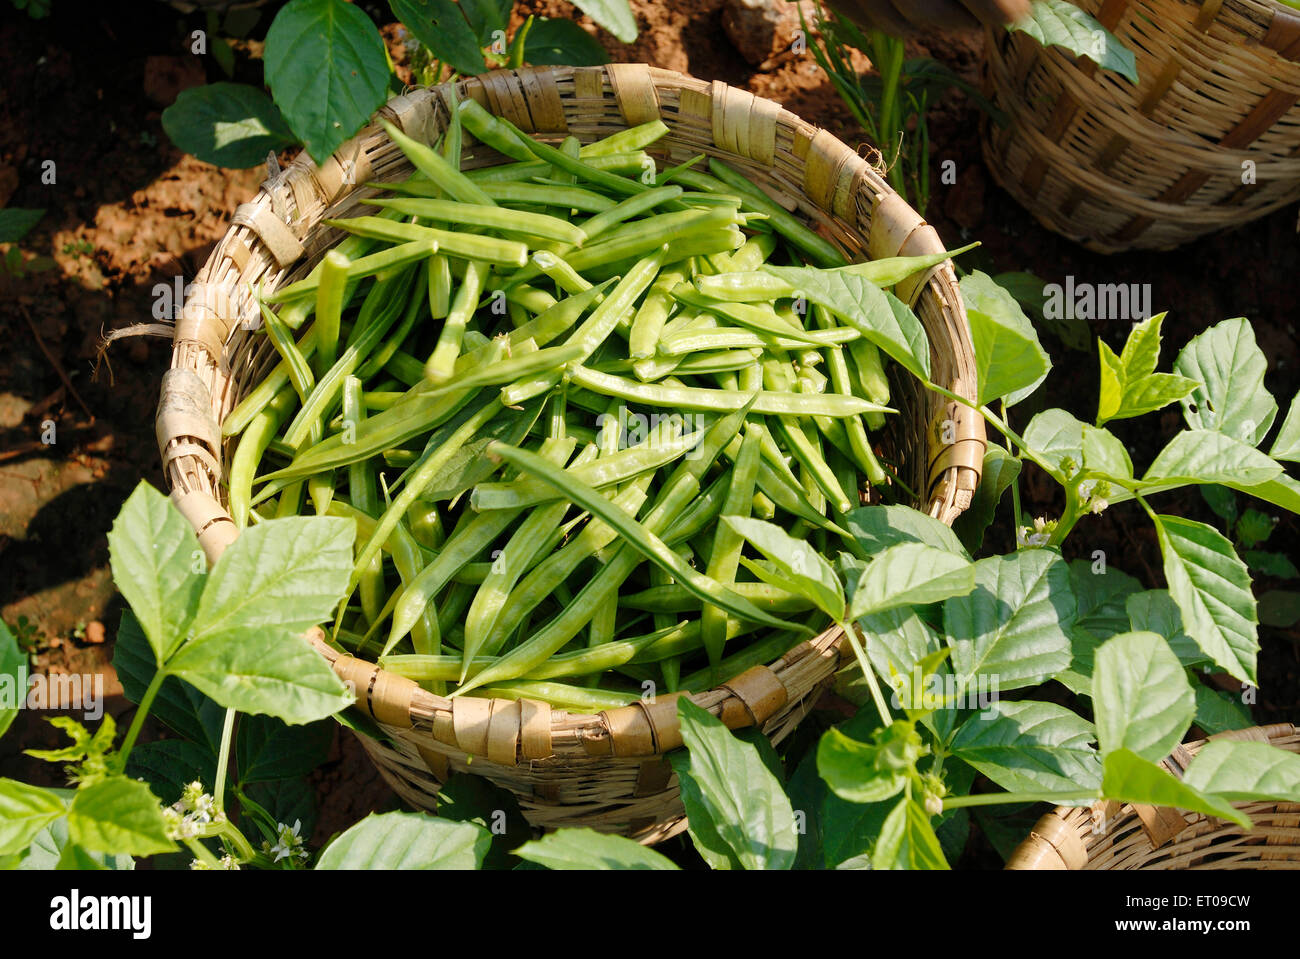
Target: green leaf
1154, 611
729, 792
558, 42
1222, 501
1283, 492
468, 798
1287, 444
907, 840
1154, 392
849, 829
169, 765
807, 793
287, 800
1127, 777
272, 671
13, 684
876, 528
1219, 712
267, 749
1245, 772
1011, 629
1141, 353
287, 573
441, 26
1062, 24
118, 815
587, 849
906, 652
1031, 293
1140, 696
910, 574
880, 317
227, 124
1130, 385
178, 704
155, 555
402, 840
1100, 597
796, 560
51, 849
24, 811
1230, 366
614, 15
327, 70
896, 641
1008, 357
1275, 565
1001, 469
1057, 437
1031, 747
853, 770
16, 222
486, 16
1253, 528
1212, 589
1205, 456
1279, 608
1104, 456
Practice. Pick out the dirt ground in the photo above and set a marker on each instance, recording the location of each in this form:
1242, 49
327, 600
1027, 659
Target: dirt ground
127, 211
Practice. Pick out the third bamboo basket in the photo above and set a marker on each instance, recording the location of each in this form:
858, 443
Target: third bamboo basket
1209, 138
606, 771
1121, 836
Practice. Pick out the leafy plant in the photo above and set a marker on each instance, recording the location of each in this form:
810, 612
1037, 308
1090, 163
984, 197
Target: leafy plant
198, 647
327, 70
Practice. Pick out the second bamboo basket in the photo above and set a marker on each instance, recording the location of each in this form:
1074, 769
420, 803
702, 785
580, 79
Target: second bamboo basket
1115, 836
1208, 139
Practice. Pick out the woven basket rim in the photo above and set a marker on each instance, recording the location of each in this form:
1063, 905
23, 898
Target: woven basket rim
526, 729
1069, 837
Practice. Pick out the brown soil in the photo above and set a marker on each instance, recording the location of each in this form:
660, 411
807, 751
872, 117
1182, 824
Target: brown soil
86, 87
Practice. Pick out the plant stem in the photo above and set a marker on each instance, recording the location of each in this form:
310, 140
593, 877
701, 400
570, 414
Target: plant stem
245, 849
997, 799
146, 701
1015, 484
1068, 519
1003, 428
202, 854
223, 760
868, 673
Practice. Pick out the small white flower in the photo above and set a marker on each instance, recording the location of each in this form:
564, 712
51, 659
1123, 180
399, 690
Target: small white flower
288, 843
205, 809
1039, 535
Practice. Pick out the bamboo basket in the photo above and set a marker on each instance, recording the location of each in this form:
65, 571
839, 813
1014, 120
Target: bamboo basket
605, 771
1121, 836
1115, 166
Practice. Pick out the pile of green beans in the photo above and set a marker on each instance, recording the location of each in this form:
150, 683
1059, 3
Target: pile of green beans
535, 387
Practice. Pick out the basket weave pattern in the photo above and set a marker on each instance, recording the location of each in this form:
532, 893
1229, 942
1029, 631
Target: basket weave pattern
605, 771
1121, 836
1116, 166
